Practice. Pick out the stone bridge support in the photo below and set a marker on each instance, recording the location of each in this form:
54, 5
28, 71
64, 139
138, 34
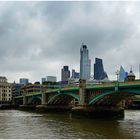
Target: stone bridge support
82, 86
25, 100
44, 99
43, 105
121, 104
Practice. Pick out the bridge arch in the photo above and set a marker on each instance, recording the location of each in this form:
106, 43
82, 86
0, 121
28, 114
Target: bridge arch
35, 100
59, 96
100, 96
18, 101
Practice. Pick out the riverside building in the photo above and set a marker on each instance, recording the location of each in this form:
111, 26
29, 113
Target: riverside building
5, 91
31, 88
16, 89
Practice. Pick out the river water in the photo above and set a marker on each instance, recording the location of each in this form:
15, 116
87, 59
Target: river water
22, 124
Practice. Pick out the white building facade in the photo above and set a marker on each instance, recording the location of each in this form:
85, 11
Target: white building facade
51, 78
5, 91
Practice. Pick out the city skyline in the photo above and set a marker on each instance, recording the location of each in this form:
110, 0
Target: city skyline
39, 38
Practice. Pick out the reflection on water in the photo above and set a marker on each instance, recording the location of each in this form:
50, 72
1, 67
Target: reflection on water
21, 124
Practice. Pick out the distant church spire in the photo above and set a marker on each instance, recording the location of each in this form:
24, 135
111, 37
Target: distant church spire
131, 68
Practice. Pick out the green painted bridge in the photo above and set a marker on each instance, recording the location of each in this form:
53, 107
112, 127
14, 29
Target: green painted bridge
95, 95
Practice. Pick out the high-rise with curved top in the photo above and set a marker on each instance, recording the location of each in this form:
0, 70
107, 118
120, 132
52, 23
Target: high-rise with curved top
85, 63
99, 73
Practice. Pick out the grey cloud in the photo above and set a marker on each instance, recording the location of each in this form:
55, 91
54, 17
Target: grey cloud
38, 38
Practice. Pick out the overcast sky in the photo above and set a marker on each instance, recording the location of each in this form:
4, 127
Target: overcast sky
38, 38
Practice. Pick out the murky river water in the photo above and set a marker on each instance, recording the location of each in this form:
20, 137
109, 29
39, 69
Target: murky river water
21, 124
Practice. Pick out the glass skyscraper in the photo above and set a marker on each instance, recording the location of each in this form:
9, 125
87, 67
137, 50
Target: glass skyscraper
85, 63
99, 73
122, 74
24, 81
75, 74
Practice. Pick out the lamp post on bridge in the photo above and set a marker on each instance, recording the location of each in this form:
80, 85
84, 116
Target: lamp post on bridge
117, 82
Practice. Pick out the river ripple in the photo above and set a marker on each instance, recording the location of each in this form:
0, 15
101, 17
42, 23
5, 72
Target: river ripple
21, 124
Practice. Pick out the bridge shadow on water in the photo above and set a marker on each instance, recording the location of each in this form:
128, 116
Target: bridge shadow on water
100, 114
88, 127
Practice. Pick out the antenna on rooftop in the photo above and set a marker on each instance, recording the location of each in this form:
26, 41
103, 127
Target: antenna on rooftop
131, 68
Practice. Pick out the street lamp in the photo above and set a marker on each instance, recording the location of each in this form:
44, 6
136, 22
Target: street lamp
117, 74
117, 82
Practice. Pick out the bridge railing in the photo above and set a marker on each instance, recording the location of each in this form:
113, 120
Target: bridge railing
136, 82
113, 84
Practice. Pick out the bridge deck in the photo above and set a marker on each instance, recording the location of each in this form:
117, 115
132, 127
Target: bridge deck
121, 85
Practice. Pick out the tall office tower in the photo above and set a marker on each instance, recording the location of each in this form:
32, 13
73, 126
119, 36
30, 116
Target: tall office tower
85, 63
122, 74
99, 73
75, 74
65, 73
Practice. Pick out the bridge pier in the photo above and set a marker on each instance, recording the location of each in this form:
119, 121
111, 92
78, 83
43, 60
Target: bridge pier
98, 112
83, 109
43, 99
82, 90
43, 105
80, 109
82, 86
26, 105
25, 101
